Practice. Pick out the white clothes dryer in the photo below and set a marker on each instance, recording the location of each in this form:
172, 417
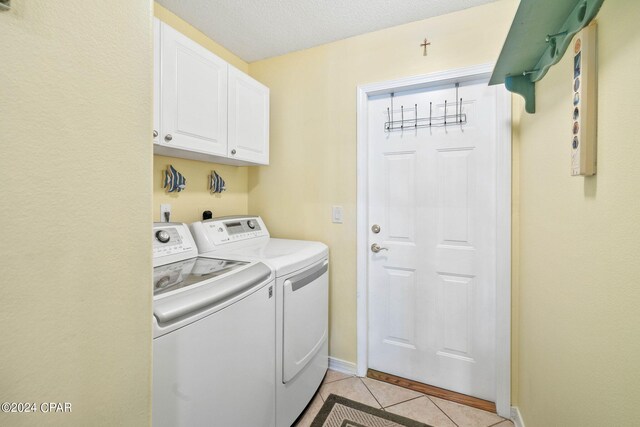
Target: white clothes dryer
302, 289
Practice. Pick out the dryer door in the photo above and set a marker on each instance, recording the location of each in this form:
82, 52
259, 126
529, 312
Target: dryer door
305, 317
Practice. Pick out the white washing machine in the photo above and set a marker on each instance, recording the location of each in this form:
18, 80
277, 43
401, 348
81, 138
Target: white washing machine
213, 336
302, 289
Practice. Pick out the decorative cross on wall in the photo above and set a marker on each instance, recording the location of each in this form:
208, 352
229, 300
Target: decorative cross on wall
425, 44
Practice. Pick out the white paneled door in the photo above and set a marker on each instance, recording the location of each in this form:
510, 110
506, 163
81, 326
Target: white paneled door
432, 284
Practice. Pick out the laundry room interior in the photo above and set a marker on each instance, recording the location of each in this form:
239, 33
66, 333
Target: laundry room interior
302, 213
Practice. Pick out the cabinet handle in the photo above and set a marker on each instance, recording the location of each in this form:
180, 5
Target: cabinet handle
233, 152
155, 133
168, 137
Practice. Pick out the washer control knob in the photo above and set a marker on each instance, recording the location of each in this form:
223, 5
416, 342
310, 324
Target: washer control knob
162, 236
251, 223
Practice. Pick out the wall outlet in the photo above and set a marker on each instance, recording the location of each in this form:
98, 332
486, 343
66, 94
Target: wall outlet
337, 214
165, 212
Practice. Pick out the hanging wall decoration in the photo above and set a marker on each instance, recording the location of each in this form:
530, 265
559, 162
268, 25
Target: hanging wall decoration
424, 45
216, 183
173, 180
584, 102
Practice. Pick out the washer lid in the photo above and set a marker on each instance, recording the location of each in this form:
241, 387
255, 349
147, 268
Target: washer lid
283, 255
214, 294
181, 274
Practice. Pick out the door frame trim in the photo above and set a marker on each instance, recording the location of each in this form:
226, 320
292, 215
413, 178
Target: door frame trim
503, 217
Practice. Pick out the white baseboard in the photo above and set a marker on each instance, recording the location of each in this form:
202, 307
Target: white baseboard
342, 366
516, 417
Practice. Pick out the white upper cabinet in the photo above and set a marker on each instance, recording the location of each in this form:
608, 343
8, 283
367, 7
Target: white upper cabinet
194, 95
156, 81
248, 118
198, 96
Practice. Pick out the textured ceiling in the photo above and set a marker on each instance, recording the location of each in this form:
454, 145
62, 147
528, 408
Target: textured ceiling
258, 29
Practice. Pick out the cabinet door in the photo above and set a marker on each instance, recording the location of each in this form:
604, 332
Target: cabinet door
194, 95
156, 80
248, 118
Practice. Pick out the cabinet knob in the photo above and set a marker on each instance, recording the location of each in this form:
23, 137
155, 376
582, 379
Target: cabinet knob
233, 152
155, 133
168, 137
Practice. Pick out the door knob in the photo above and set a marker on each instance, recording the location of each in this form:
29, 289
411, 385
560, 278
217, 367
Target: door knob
168, 137
233, 152
375, 228
375, 248
155, 133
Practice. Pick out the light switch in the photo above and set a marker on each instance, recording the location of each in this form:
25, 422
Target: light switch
337, 214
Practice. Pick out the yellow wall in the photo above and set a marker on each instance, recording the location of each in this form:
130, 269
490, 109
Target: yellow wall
313, 132
579, 238
75, 156
517, 107
187, 206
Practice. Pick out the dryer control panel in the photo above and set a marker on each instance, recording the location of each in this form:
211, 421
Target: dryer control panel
213, 233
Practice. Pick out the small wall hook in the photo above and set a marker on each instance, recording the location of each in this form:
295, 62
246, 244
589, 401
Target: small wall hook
552, 36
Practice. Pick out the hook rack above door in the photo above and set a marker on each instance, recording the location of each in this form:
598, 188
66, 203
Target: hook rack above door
446, 119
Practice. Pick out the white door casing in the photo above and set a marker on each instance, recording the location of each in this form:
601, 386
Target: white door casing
435, 307
194, 95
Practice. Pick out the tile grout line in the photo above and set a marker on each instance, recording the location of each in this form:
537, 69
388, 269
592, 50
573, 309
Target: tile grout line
392, 385
442, 410
341, 379
371, 393
500, 422
405, 401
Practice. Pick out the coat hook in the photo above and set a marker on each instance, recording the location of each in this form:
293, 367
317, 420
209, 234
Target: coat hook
391, 119
552, 36
441, 119
457, 86
445, 112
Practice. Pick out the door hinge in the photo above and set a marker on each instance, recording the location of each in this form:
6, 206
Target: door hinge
270, 291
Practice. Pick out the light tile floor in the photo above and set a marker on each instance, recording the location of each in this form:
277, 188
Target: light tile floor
408, 403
